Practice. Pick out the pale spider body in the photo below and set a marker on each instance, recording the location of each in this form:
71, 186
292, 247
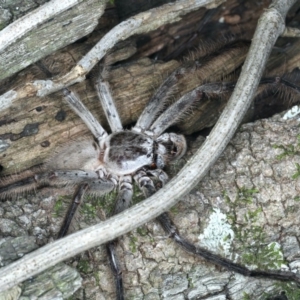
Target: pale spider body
119, 154
126, 152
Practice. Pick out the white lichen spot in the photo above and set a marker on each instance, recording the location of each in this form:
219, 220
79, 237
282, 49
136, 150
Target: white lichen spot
292, 113
44, 87
7, 99
218, 235
3, 145
295, 266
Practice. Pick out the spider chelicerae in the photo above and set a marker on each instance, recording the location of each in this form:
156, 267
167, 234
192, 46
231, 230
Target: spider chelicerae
108, 161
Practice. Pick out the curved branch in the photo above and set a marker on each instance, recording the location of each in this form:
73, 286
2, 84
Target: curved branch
31, 37
141, 23
19, 28
271, 25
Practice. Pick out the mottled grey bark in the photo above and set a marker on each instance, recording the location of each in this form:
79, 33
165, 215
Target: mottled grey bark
249, 199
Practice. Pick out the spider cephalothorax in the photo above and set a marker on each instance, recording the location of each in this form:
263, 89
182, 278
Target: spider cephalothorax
126, 152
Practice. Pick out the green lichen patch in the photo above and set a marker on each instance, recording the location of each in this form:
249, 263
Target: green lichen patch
297, 198
288, 150
264, 257
137, 195
251, 241
297, 174
284, 290
89, 210
142, 231
174, 210
107, 202
246, 296
97, 277
132, 244
250, 238
60, 205
244, 195
84, 266
243, 199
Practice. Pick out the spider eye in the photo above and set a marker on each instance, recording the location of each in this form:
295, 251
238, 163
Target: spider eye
153, 166
174, 150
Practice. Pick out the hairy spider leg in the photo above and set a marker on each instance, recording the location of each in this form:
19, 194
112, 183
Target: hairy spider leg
108, 105
175, 112
168, 88
116, 270
86, 180
158, 101
145, 183
171, 230
123, 201
124, 197
156, 105
92, 182
76, 201
86, 116
280, 80
18, 184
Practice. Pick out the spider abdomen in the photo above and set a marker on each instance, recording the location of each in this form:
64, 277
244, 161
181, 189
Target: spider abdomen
126, 152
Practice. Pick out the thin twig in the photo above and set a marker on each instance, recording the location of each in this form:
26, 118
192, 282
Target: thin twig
140, 23
270, 26
20, 27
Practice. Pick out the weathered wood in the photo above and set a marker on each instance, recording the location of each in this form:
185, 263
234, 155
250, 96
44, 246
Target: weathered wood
54, 33
31, 130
